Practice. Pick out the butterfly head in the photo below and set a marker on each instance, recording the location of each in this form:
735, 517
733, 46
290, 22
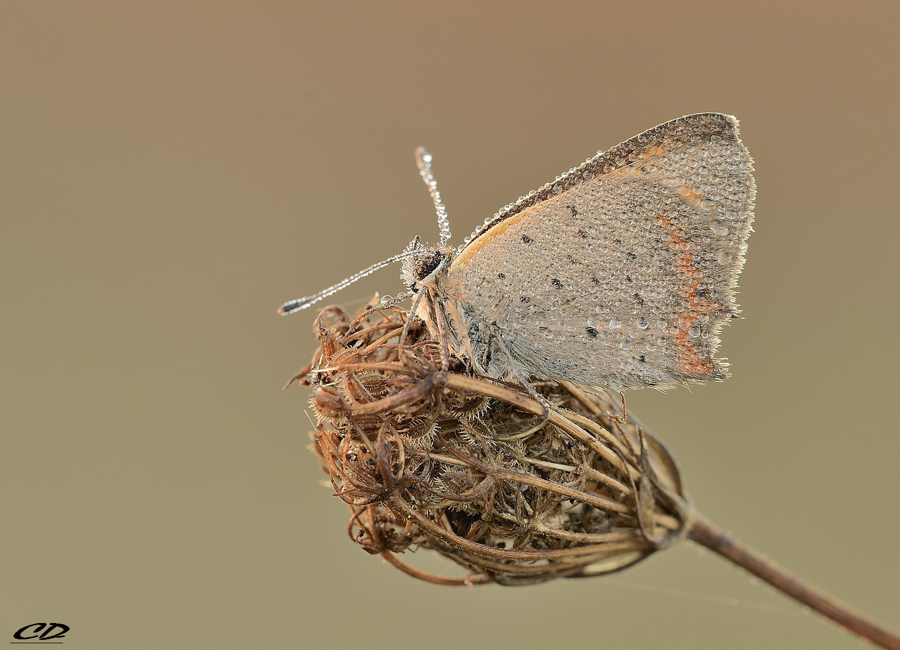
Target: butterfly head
425, 265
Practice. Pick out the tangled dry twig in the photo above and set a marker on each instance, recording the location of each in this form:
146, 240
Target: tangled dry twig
514, 488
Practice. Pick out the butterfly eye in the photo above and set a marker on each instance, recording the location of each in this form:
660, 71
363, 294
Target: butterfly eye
428, 264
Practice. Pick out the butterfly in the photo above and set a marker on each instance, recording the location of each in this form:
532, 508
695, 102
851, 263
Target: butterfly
619, 274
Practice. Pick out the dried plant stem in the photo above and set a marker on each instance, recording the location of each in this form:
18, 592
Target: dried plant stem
707, 534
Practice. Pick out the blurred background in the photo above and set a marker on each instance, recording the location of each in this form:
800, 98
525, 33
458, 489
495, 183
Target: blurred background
172, 172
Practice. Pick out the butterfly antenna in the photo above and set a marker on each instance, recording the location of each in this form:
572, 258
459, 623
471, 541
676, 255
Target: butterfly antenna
302, 303
423, 160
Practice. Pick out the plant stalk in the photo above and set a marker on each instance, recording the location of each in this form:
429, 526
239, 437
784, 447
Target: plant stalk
707, 534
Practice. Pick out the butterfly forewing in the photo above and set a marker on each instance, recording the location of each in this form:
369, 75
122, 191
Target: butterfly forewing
622, 272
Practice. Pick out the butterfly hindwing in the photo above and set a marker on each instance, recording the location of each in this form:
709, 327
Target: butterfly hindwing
622, 272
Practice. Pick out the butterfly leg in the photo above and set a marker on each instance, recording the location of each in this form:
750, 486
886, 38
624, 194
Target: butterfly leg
411, 314
522, 380
622, 419
440, 315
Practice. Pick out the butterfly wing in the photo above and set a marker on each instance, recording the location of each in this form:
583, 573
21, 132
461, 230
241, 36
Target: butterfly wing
622, 272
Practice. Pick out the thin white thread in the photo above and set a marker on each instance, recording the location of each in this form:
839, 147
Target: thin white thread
704, 597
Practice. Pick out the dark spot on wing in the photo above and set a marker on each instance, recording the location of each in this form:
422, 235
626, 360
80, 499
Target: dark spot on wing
639, 300
527, 239
572, 209
543, 328
631, 256
595, 279
524, 299
592, 331
583, 234
642, 359
502, 276
628, 278
557, 284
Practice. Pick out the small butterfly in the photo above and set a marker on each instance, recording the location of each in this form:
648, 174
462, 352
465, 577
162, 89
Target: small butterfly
619, 274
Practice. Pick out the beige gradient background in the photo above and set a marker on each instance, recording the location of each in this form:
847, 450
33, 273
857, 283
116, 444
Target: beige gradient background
170, 172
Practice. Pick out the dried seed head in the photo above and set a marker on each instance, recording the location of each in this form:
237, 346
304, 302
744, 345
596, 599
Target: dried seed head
514, 490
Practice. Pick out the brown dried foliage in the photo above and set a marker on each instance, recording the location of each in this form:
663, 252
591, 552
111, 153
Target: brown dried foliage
514, 488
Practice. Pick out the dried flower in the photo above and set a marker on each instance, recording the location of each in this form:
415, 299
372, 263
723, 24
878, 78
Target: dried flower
514, 488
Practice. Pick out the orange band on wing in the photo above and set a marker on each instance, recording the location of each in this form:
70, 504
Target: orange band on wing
690, 359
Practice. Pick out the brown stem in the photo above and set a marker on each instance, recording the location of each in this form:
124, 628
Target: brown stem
707, 534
